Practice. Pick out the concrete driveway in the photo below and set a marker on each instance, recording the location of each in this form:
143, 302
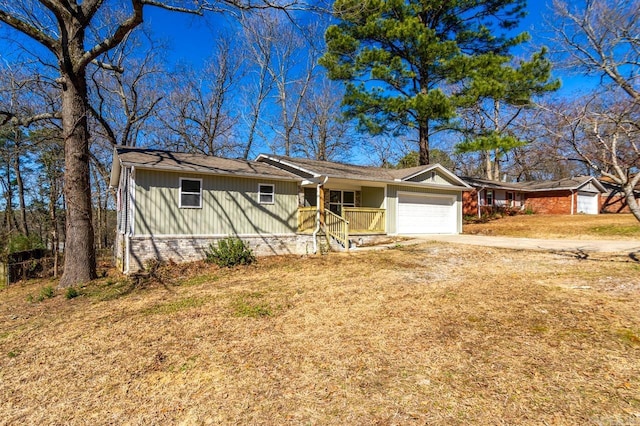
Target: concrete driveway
611, 246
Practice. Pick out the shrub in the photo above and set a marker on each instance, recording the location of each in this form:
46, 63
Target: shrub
46, 292
230, 252
71, 293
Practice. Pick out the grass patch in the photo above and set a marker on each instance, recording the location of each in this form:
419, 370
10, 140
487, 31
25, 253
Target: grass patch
198, 280
431, 334
46, 292
629, 337
14, 353
109, 289
612, 230
251, 305
603, 226
175, 306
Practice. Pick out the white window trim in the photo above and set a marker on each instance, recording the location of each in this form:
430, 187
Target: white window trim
493, 197
272, 193
341, 203
191, 193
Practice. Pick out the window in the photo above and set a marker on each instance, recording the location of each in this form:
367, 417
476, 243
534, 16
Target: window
489, 198
510, 199
340, 199
190, 193
265, 193
310, 197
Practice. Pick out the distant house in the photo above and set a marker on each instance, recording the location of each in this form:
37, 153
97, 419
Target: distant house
614, 200
172, 205
565, 196
488, 195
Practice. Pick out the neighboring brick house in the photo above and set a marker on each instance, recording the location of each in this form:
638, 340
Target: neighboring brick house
488, 195
613, 200
579, 194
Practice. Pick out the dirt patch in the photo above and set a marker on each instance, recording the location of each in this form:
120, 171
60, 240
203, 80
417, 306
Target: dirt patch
425, 334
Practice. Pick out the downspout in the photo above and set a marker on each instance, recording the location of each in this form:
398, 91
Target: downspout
571, 200
479, 208
130, 219
315, 233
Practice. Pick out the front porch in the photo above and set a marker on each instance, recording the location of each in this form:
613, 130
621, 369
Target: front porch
343, 211
354, 221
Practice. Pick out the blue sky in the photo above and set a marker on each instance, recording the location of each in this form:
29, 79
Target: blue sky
190, 37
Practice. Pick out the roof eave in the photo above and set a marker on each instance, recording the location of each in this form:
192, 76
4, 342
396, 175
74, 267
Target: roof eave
288, 164
210, 172
443, 170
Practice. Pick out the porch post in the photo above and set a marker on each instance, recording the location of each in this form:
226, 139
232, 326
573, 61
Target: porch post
321, 202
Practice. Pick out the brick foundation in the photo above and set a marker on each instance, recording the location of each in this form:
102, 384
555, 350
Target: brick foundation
188, 249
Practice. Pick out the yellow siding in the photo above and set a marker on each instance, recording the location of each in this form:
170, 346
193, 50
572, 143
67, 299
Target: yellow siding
229, 206
433, 177
372, 197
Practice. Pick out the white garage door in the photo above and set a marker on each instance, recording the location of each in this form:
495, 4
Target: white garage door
587, 203
426, 214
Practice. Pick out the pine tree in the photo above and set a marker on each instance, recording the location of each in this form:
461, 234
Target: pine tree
396, 57
494, 94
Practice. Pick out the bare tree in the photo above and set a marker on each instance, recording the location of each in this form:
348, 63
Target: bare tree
200, 115
125, 97
322, 133
604, 134
76, 34
285, 58
600, 39
259, 85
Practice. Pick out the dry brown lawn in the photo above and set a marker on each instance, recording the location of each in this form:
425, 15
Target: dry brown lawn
426, 334
603, 226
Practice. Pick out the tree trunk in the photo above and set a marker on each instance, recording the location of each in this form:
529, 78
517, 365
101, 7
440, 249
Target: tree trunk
53, 217
423, 134
23, 205
497, 171
488, 168
80, 257
631, 201
10, 218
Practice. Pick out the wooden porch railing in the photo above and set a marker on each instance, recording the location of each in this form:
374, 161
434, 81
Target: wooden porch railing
306, 219
364, 220
337, 227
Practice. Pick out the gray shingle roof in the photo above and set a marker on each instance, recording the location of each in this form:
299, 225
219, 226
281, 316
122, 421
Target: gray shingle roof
567, 183
348, 171
198, 163
532, 186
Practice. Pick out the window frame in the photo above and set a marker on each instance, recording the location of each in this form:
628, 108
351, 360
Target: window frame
341, 204
489, 195
181, 192
272, 193
511, 198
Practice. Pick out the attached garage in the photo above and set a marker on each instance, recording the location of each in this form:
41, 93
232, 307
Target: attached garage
426, 214
587, 202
